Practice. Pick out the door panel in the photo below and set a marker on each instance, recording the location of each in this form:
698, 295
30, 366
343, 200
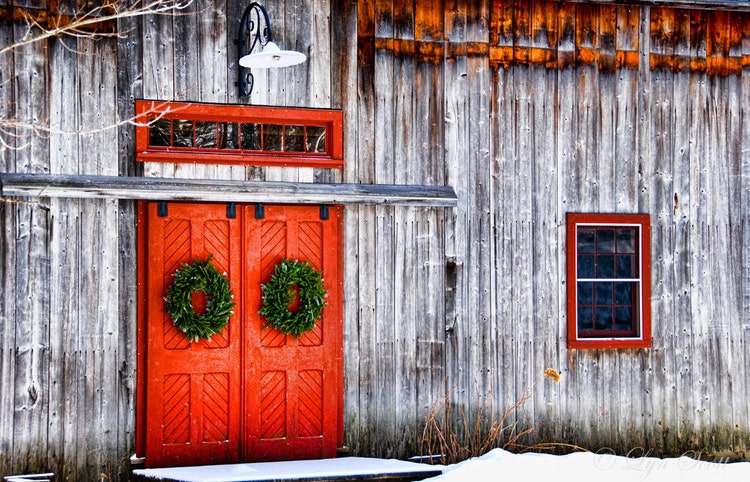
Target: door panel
193, 413
304, 422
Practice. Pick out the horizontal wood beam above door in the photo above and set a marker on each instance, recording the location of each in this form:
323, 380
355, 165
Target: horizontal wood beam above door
158, 189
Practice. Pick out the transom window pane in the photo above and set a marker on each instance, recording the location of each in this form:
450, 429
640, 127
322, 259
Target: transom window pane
182, 133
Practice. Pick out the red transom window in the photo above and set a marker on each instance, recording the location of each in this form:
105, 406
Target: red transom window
238, 134
608, 281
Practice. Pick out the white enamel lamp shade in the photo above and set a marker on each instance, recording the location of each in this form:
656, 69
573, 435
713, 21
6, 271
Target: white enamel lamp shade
271, 57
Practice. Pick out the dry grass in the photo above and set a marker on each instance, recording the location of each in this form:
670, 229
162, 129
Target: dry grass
452, 435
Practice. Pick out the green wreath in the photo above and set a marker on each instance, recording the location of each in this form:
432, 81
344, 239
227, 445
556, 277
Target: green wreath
279, 292
199, 276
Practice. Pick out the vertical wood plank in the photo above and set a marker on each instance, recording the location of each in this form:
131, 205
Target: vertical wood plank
548, 228
680, 224
388, 318
30, 320
385, 130
65, 118
387, 257
744, 344
698, 217
627, 115
405, 331
320, 53
458, 174
344, 70
130, 73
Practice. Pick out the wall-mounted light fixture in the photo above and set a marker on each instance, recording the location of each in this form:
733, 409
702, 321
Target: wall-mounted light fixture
255, 31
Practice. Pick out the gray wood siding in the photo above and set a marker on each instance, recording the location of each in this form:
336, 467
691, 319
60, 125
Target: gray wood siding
528, 110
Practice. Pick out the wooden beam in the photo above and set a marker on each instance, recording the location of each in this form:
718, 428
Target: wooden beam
147, 188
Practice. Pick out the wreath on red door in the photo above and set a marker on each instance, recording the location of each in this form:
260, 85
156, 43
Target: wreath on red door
279, 292
199, 276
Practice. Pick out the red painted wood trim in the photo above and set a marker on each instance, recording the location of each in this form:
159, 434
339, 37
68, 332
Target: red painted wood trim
141, 343
147, 111
644, 220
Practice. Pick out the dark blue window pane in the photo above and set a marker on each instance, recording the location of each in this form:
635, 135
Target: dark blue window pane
603, 293
585, 318
624, 293
586, 242
626, 240
605, 266
586, 266
626, 266
585, 292
605, 242
624, 320
603, 318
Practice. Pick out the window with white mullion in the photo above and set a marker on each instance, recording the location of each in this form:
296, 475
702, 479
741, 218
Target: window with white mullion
607, 276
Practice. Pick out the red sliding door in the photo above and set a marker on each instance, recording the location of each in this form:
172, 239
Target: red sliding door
250, 393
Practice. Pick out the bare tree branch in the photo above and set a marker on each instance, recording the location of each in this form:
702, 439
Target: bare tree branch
15, 132
80, 25
9, 128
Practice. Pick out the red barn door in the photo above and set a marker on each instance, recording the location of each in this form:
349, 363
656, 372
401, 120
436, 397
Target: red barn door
193, 403
293, 388
248, 394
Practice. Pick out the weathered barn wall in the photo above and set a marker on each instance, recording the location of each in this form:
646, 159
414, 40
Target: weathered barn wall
67, 369
531, 110
528, 109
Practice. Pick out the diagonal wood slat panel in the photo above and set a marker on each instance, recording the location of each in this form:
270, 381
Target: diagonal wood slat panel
311, 243
310, 406
216, 407
176, 244
273, 405
313, 337
273, 246
311, 249
216, 243
176, 251
176, 411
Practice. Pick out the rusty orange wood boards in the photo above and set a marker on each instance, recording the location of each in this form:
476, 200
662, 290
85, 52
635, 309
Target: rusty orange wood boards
249, 393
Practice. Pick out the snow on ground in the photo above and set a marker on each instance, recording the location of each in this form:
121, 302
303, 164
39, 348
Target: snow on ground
497, 465
585, 466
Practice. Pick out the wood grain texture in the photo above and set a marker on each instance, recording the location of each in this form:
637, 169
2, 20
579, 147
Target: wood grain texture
93, 187
471, 128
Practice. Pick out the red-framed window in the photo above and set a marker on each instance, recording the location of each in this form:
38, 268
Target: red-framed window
238, 134
608, 280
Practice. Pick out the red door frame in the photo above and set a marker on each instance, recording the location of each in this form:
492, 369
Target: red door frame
336, 213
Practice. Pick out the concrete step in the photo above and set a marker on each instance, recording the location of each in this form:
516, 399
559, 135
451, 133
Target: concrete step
345, 469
